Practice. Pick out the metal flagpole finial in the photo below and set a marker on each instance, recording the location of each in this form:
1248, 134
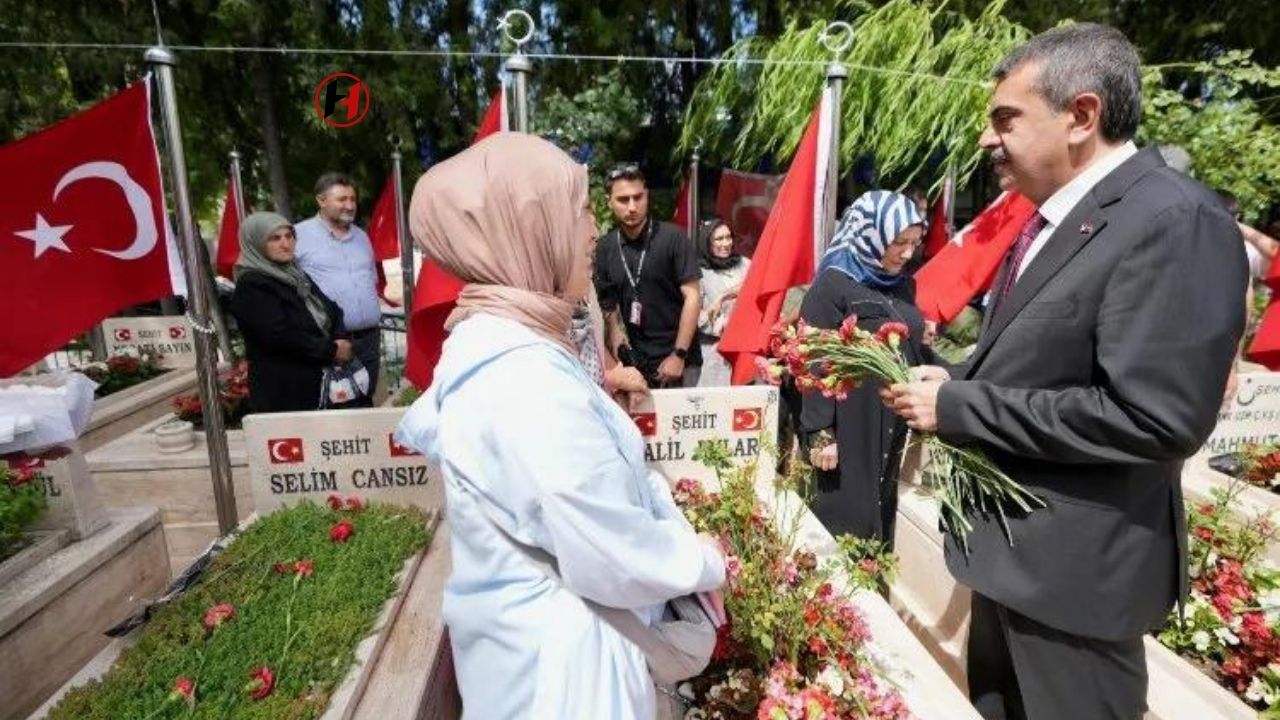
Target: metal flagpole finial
505, 25
837, 38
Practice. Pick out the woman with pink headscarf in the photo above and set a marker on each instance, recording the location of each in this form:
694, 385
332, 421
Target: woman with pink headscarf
535, 454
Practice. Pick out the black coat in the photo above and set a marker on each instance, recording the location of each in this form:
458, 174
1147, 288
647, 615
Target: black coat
287, 351
860, 496
1095, 377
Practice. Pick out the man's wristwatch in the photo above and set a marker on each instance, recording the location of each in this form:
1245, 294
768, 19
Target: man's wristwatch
680, 353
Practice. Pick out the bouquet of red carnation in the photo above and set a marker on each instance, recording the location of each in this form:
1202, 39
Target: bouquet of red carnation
835, 362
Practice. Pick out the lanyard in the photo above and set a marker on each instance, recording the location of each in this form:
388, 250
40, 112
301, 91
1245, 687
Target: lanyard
634, 279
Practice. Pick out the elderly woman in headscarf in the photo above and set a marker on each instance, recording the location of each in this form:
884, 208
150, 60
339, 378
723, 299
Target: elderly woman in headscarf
534, 453
289, 326
723, 272
856, 444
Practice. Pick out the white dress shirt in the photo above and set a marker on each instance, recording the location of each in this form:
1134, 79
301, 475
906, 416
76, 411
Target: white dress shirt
1060, 204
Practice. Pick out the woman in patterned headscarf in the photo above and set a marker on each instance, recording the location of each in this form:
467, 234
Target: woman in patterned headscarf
855, 444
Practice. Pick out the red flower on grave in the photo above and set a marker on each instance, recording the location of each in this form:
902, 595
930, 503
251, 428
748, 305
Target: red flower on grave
215, 616
263, 683
1205, 534
304, 568
280, 568
335, 503
342, 531
355, 504
184, 688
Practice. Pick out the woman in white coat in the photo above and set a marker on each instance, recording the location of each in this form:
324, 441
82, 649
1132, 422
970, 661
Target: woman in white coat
526, 439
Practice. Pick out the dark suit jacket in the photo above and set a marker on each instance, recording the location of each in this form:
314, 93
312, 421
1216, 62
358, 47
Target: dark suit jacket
1100, 372
286, 349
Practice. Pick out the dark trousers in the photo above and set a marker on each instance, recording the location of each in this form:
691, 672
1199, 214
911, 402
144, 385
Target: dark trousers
1020, 669
366, 345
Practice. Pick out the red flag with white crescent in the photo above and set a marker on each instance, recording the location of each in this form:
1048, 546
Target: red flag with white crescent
788, 250
228, 250
83, 229
436, 291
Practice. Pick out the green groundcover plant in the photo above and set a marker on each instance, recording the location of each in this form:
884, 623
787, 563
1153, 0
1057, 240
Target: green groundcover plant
272, 629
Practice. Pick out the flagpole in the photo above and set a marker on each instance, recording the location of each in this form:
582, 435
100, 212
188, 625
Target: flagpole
237, 184
402, 238
837, 73
197, 296
519, 66
694, 213
949, 197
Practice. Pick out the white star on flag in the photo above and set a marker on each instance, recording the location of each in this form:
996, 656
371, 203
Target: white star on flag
46, 236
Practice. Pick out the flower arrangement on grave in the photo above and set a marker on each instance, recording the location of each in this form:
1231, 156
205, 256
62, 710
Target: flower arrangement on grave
123, 370
271, 629
233, 396
1260, 465
964, 481
21, 502
1231, 629
795, 646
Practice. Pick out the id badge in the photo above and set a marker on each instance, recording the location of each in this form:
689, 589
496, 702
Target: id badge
636, 313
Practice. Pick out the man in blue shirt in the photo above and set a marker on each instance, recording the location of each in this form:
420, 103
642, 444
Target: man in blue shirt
339, 258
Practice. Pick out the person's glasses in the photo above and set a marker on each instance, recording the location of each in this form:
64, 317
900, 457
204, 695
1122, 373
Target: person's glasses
621, 170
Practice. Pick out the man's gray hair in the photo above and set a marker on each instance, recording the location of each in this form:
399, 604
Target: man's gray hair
1085, 58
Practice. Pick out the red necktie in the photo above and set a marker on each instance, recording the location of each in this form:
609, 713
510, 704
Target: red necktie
1016, 255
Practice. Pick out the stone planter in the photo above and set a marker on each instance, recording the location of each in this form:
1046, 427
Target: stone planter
132, 470
175, 436
937, 608
1199, 480
53, 614
120, 413
403, 669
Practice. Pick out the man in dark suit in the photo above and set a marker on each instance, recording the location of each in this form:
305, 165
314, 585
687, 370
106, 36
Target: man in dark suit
1100, 367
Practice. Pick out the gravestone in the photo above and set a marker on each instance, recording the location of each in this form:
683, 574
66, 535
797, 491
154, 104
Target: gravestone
314, 455
168, 336
743, 418
73, 502
1252, 416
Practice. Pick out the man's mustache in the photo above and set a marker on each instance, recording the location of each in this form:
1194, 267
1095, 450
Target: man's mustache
999, 155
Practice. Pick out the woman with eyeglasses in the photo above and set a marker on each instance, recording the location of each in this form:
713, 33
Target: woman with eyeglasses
723, 272
856, 444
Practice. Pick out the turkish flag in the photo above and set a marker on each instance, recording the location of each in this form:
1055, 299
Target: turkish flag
746, 419
1272, 279
785, 256
743, 201
398, 450
177, 332
384, 234
82, 227
1265, 348
284, 450
647, 423
967, 265
938, 236
229, 234
495, 118
436, 291
684, 205
384, 230
30, 464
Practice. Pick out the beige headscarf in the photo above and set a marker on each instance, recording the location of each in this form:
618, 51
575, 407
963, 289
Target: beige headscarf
508, 217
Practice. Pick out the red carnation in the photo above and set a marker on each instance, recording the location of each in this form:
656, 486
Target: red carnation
215, 616
263, 683
280, 568
892, 333
355, 504
305, 568
342, 531
184, 688
335, 503
818, 646
849, 328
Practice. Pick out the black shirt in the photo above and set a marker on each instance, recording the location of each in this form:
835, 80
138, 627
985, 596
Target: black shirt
670, 260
